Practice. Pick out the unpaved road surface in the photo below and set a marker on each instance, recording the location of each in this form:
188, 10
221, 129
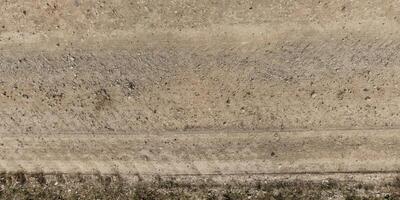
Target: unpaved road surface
131, 66
320, 164
205, 153
200, 88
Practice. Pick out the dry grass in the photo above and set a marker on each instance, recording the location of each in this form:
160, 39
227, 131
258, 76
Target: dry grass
78, 186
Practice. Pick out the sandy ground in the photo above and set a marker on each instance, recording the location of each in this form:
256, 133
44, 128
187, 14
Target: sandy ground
204, 153
200, 87
153, 66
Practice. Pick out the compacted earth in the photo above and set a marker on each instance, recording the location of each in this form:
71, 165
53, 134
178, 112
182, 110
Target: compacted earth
186, 99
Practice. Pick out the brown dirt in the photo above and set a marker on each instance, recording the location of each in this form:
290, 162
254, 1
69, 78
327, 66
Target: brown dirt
73, 68
204, 153
132, 66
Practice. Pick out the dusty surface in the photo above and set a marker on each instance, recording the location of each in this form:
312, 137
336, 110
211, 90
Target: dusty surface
128, 66
121, 87
204, 153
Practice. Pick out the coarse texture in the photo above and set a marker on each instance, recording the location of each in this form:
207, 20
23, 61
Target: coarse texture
129, 66
204, 153
199, 88
78, 186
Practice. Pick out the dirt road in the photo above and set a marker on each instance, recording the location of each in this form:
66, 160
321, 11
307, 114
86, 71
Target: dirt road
168, 88
204, 153
154, 66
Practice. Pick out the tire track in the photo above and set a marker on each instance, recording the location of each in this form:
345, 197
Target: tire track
207, 153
